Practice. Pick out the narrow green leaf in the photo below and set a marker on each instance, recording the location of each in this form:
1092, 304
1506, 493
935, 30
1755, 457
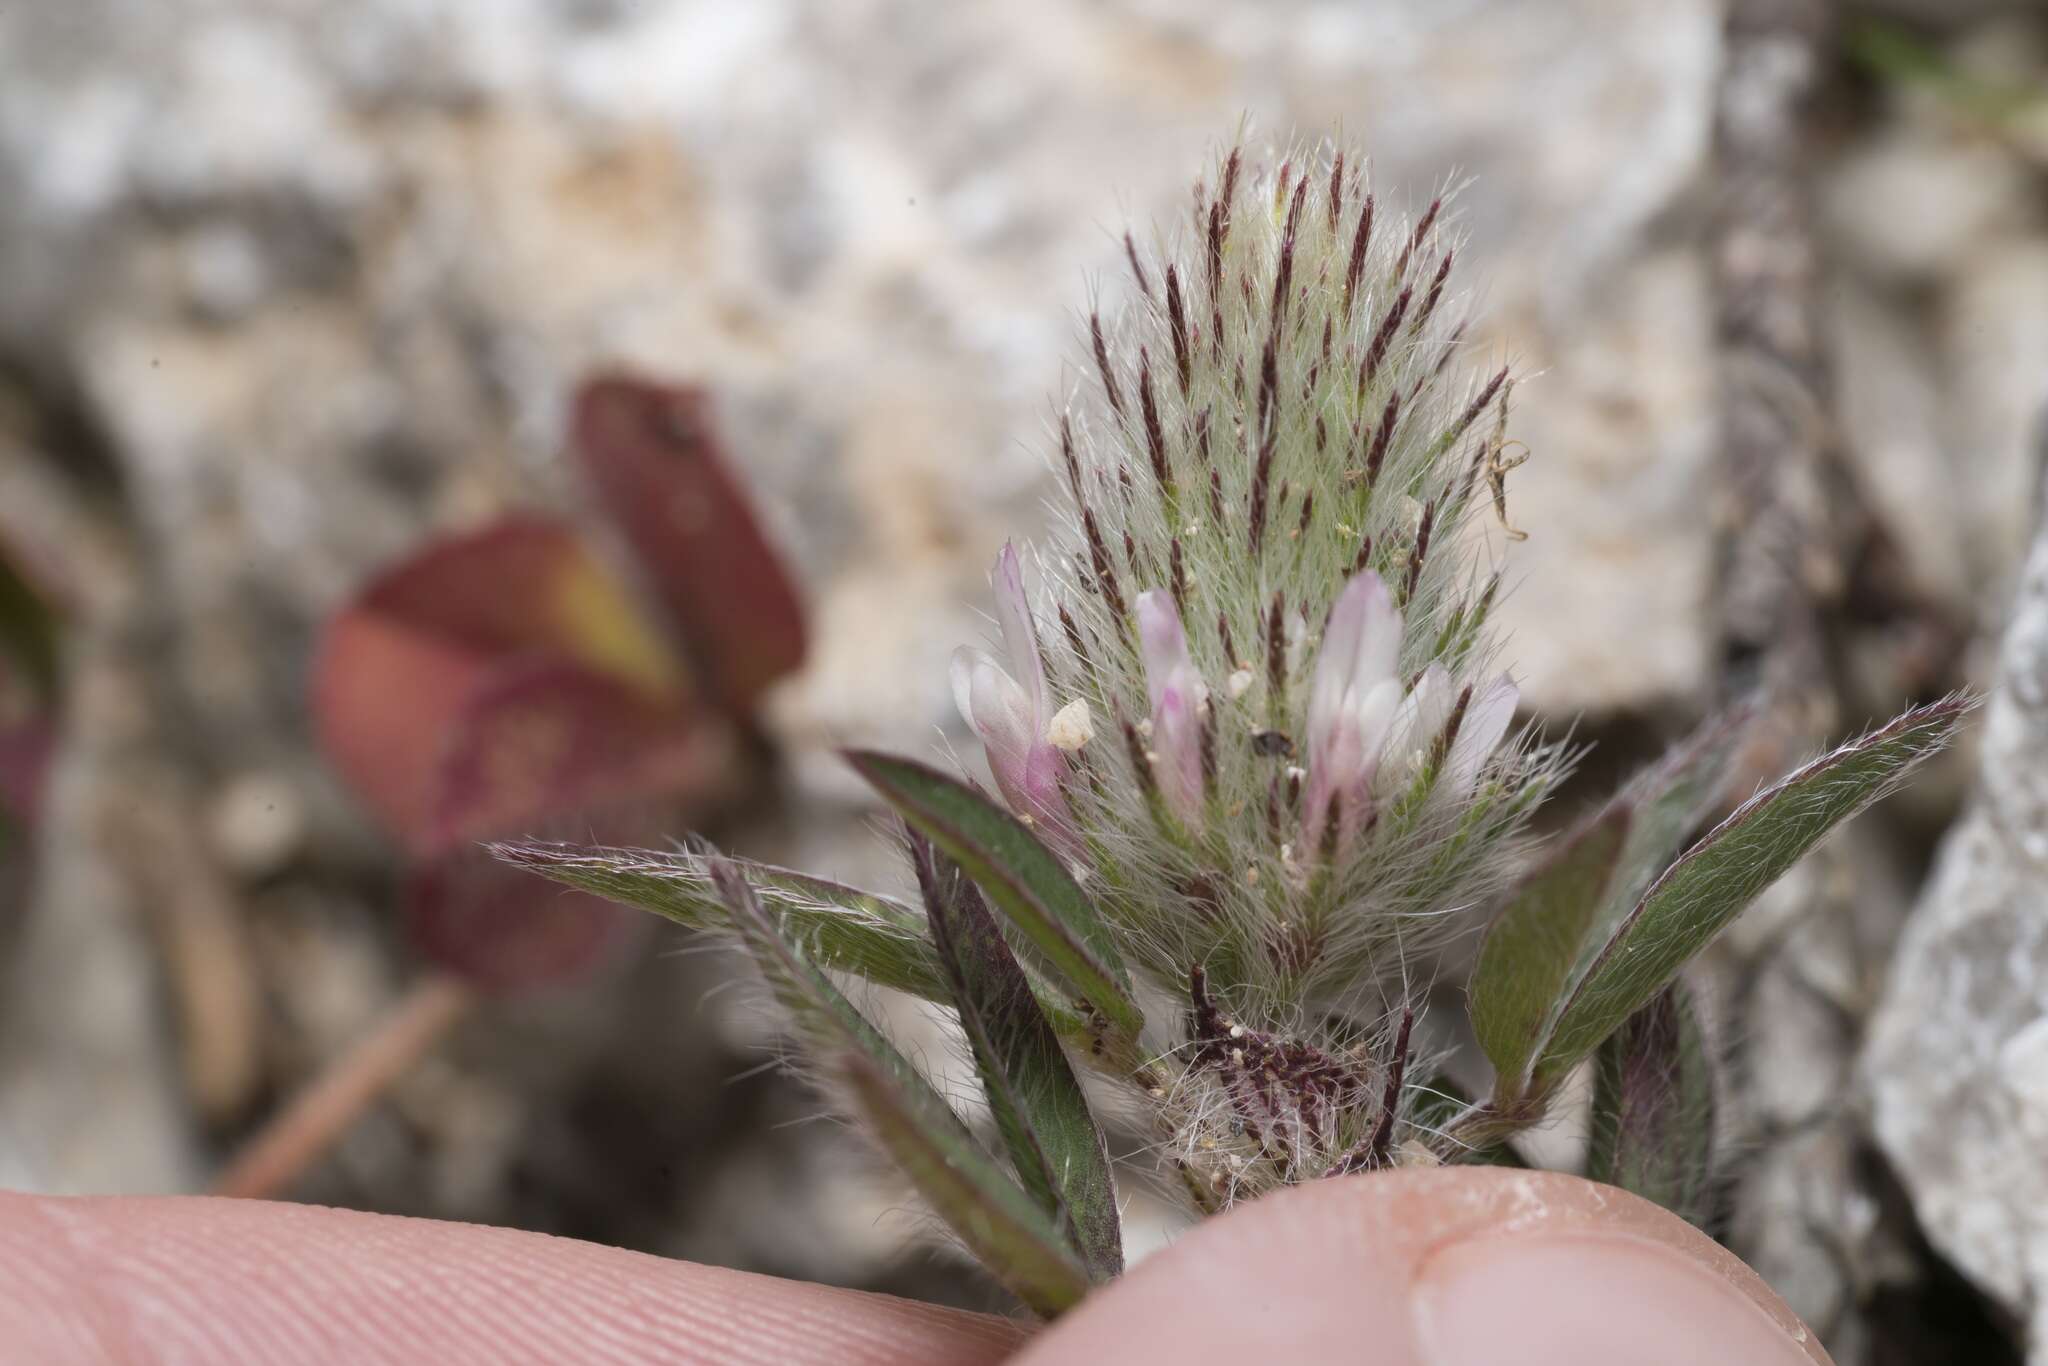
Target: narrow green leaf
874, 937
982, 1206
1718, 877
1026, 880
1653, 1107
1670, 799
995, 1218
1550, 932
1043, 1117
870, 936
801, 984
1530, 951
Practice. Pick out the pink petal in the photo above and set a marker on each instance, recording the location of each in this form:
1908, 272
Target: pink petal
1000, 714
1486, 722
1163, 644
1361, 645
1177, 740
1020, 640
1345, 763
1415, 727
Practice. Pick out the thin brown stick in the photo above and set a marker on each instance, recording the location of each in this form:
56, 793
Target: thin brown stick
300, 1134
201, 933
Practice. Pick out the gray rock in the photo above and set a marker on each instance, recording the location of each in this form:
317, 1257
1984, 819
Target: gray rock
450, 208
1890, 400
1912, 202
1796, 975
1995, 338
1957, 1060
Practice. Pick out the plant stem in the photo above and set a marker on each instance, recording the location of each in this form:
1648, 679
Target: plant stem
300, 1134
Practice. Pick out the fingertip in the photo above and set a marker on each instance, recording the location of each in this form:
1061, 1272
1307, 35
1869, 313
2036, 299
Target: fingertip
234, 1281
1446, 1267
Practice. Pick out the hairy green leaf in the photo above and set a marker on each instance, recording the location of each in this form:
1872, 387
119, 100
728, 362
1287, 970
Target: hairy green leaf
802, 985
1018, 1243
1027, 881
1043, 1117
1718, 877
1669, 800
1526, 962
874, 937
983, 1207
1653, 1107
870, 936
1550, 932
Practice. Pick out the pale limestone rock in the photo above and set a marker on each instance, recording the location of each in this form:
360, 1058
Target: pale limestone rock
1994, 337
1912, 202
1957, 1061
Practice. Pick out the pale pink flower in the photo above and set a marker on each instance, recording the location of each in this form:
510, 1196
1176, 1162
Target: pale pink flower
1423, 717
1487, 718
1179, 699
1011, 710
1366, 739
1352, 703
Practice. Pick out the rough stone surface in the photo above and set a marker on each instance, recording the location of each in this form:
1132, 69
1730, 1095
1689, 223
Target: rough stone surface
1957, 1064
317, 280
1798, 974
870, 244
310, 283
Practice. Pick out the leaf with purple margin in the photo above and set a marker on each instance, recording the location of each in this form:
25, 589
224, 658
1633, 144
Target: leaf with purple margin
1717, 878
1040, 1111
1026, 880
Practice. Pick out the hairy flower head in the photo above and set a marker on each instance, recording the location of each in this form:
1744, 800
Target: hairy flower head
1268, 586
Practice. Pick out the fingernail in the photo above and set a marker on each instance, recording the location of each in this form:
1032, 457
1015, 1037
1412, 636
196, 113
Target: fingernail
1586, 1301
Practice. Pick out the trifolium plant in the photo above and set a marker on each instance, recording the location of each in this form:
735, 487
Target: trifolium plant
1254, 760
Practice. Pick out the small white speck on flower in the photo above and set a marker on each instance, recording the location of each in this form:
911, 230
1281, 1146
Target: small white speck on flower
1297, 640
1144, 727
1071, 726
1237, 1031
1296, 773
1239, 682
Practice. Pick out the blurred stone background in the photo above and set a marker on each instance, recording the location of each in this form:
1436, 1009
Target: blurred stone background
286, 287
